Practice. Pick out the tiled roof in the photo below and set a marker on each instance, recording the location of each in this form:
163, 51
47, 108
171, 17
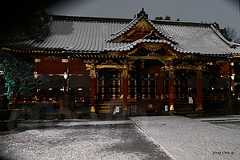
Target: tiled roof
91, 35
132, 23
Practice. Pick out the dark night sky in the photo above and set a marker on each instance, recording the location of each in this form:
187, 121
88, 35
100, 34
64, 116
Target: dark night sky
224, 12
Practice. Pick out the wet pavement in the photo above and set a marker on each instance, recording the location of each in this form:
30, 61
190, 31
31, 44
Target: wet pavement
189, 139
231, 125
73, 141
229, 121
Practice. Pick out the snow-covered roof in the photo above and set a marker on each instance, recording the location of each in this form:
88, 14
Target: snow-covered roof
94, 35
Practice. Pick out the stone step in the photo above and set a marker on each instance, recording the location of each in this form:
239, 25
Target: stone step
105, 111
106, 107
184, 108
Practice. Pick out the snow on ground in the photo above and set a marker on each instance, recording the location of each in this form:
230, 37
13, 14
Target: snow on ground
72, 141
189, 139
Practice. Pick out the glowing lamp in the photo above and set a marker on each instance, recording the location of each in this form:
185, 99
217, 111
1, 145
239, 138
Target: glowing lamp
35, 75
65, 75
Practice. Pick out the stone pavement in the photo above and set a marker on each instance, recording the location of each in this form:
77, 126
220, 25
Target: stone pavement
78, 140
193, 139
69, 123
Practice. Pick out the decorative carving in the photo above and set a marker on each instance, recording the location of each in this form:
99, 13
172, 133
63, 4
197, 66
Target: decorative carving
93, 73
102, 66
186, 67
125, 71
142, 13
131, 65
153, 47
92, 70
153, 35
152, 51
138, 31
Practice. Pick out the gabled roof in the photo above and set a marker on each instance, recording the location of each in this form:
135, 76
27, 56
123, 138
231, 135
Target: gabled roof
140, 23
79, 35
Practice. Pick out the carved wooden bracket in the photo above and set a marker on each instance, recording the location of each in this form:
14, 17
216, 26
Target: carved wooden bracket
92, 70
125, 71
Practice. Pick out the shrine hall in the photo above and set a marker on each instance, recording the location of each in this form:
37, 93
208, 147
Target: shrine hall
141, 66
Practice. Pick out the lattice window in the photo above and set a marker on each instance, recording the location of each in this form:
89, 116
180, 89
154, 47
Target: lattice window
148, 86
132, 86
108, 85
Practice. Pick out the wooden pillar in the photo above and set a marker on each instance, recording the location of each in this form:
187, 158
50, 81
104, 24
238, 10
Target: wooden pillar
67, 98
66, 86
66, 75
135, 88
199, 91
159, 90
102, 87
93, 88
171, 91
231, 93
232, 75
35, 74
160, 86
125, 88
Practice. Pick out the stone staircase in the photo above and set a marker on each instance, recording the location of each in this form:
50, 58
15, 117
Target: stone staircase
182, 107
107, 107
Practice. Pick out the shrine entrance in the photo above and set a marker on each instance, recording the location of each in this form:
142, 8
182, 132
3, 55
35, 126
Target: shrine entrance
185, 86
108, 85
146, 87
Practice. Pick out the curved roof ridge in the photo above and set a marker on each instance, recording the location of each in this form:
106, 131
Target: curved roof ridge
218, 33
162, 33
83, 18
125, 28
131, 45
132, 23
185, 23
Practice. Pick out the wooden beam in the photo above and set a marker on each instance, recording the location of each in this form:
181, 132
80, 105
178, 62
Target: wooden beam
148, 58
108, 66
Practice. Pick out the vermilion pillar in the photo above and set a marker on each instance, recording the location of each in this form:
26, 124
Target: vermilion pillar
93, 89
125, 88
231, 94
232, 75
199, 91
160, 86
171, 90
160, 90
